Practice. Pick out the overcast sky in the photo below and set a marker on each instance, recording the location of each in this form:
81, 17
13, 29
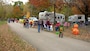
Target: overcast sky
10, 1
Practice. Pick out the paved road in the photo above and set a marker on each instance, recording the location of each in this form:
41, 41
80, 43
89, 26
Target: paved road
46, 41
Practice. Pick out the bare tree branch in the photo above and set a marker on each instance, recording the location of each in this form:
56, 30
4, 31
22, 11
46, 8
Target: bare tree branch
80, 9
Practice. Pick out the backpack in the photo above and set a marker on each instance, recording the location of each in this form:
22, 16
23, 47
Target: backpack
61, 29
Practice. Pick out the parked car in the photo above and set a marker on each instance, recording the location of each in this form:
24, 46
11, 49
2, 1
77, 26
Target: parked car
33, 18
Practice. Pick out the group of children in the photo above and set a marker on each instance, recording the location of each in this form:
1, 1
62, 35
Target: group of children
59, 29
26, 23
29, 23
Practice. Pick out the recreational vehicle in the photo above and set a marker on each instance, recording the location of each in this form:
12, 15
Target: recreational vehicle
50, 15
76, 18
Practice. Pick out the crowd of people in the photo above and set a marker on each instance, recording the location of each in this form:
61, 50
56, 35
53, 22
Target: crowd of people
41, 25
45, 25
12, 20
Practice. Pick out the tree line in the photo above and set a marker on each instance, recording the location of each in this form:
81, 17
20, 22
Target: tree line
66, 7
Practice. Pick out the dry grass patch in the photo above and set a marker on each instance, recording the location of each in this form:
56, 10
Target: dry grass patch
9, 41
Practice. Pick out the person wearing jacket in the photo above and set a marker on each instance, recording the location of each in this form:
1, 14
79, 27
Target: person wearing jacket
57, 26
48, 25
39, 25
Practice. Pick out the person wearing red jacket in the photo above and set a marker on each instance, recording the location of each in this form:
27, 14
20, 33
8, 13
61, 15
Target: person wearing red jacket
57, 26
48, 25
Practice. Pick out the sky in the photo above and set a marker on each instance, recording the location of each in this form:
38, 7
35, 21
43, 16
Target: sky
11, 1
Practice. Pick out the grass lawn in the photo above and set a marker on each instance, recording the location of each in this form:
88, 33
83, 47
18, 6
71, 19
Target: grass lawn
9, 41
2, 22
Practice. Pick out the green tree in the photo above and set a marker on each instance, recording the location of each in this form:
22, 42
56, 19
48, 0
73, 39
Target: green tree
1, 10
66, 11
8, 11
5, 10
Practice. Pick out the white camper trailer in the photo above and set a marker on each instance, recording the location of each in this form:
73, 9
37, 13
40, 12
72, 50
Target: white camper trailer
60, 18
89, 19
50, 15
45, 15
76, 18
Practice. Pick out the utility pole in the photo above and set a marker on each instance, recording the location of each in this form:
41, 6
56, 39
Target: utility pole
53, 2
54, 14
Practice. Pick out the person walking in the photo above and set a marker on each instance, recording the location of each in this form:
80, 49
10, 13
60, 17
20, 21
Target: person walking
31, 23
61, 29
48, 25
39, 25
42, 24
57, 26
8, 20
27, 23
24, 23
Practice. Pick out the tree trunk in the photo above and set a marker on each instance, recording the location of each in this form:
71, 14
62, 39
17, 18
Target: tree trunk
86, 14
86, 19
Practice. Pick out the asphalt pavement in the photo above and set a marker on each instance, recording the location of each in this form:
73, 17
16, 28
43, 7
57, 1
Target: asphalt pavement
47, 41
